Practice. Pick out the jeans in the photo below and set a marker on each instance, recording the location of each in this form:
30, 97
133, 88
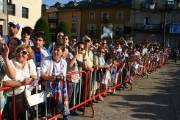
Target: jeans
74, 91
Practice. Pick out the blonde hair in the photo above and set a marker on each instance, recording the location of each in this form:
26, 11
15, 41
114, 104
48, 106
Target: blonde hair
86, 38
28, 48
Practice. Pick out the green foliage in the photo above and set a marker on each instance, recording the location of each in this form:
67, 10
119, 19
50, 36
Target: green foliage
42, 25
63, 27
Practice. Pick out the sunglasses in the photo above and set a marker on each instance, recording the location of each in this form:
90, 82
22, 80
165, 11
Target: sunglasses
80, 48
59, 36
12, 25
87, 40
101, 51
21, 52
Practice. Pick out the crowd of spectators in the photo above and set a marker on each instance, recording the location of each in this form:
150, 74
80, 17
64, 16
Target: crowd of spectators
105, 63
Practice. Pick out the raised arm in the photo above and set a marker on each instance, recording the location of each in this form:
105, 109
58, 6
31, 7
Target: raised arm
8, 66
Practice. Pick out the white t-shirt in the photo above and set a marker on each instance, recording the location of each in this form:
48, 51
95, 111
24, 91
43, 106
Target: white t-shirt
21, 73
54, 67
144, 51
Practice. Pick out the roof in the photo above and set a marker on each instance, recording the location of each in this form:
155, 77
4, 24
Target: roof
104, 3
92, 3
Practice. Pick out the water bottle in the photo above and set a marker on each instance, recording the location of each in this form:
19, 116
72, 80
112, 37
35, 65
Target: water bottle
35, 82
38, 77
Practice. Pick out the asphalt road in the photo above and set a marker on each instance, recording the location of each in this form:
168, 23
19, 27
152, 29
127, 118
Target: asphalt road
154, 98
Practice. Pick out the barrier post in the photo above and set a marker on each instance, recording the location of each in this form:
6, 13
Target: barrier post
85, 93
14, 104
0, 111
37, 88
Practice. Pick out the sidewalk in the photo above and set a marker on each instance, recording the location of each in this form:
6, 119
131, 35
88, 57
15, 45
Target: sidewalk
155, 98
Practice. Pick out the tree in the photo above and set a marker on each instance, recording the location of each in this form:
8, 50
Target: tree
42, 25
63, 27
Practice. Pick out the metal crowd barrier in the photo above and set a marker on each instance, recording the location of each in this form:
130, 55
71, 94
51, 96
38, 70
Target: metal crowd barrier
86, 99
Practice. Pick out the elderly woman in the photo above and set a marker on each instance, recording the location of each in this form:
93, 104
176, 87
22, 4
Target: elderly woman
25, 74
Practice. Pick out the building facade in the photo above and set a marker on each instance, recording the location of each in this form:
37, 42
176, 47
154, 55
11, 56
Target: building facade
91, 16
152, 19
3, 17
25, 12
69, 13
100, 14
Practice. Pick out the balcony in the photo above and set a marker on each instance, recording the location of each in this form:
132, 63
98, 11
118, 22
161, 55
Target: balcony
52, 16
150, 28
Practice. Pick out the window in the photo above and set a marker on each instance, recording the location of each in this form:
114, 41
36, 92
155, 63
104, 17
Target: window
25, 12
91, 29
105, 16
92, 15
52, 25
120, 14
118, 29
74, 28
11, 9
1, 30
74, 17
1, 6
52, 16
170, 2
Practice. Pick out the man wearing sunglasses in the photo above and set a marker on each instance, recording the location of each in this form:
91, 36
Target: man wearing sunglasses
13, 29
59, 40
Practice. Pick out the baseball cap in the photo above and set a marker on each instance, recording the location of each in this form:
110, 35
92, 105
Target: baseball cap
16, 24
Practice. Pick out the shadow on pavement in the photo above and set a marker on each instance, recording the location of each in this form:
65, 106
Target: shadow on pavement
161, 101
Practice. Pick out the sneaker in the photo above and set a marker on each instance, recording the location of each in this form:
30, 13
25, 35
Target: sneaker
100, 98
131, 82
104, 95
126, 85
74, 113
109, 91
88, 104
95, 101
80, 109
65, 118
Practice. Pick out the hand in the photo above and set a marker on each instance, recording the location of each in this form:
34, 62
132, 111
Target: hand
96, 67
77, 51
5, 52
52, 78
27, 81
91, 69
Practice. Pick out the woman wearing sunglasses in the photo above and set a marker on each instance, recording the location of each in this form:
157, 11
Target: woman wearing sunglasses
76, 64
25, 74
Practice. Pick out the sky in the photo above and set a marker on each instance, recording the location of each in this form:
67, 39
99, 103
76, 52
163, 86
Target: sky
51, 2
